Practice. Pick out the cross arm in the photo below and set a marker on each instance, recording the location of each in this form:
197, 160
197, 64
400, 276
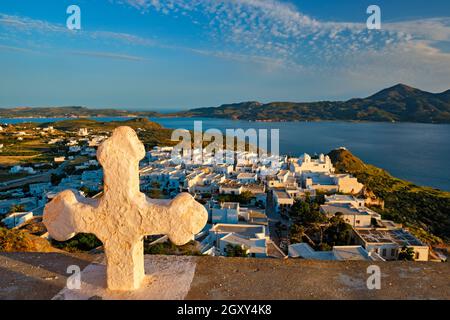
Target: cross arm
180, 219
70, 213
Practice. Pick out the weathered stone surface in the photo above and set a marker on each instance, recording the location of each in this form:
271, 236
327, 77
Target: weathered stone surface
123, 215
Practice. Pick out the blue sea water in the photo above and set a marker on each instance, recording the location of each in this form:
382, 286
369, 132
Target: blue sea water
416, 152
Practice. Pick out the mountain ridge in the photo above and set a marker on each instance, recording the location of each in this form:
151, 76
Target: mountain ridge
400, 103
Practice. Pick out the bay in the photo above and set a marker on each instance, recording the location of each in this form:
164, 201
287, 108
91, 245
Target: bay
416, 152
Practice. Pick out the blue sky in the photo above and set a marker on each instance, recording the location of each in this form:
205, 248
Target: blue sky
178, 54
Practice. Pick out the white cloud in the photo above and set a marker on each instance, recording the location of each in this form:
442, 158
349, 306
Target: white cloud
277, 35
279, 31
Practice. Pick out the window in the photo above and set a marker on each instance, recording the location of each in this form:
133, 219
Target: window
384, 252
417, 256
393, 252
358, 222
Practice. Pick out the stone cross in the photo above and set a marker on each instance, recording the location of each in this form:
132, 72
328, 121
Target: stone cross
123, 215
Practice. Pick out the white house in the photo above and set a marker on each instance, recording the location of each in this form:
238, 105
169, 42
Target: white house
230, 187
38, 189
341, 198
388, 242
226, 212
252, 238
247, 177
319, 181
27, 203
305, 163
353, 210
17, 218
83, 132
18, 169
282, 200
355, 216
226, 169
347, 183
59, 159
74, 149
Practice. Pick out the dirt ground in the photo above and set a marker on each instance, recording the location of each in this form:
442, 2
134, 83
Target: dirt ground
31, 276
43, 275
241, 278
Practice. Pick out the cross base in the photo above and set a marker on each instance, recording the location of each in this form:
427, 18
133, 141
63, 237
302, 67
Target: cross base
164, 280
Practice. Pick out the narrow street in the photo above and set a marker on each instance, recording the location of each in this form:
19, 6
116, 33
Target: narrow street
277, 235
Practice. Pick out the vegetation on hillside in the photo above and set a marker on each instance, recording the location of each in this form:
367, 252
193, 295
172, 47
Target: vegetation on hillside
425, 210
21, 241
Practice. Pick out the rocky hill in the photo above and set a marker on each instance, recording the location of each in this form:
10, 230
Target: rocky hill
425, 210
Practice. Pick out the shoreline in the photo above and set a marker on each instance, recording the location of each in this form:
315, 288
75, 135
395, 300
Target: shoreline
153, 118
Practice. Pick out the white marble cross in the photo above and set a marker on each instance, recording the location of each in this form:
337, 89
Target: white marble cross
123, 215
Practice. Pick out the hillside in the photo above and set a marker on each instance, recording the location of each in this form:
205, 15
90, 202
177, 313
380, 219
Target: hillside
68, 112
75, 124
424, 209
398, 103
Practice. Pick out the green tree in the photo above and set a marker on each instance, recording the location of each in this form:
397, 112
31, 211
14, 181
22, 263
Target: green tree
155, 194
56, 178
243, 198
17, 208
296, 233
338, 232
406, 254
81, 242
236, 251
306, 213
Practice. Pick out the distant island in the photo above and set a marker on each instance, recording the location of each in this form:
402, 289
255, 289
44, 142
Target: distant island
400, 103
69, 112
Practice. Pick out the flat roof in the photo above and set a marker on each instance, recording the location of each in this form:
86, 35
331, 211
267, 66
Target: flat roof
303, 250
244, 230
350, 253
344, 208
229, 205
237, 239
340, 197
398, 236
282, 194
246, 175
